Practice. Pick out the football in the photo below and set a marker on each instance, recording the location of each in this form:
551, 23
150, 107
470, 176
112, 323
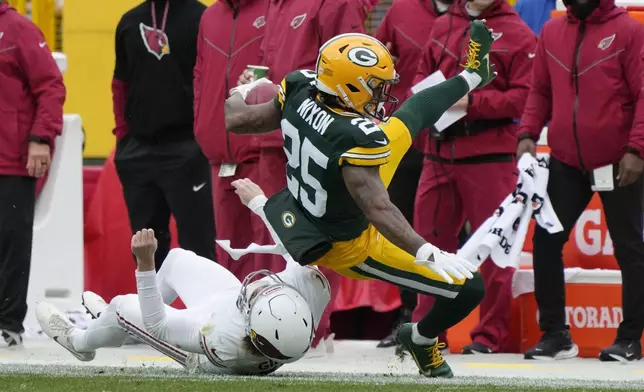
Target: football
262, 93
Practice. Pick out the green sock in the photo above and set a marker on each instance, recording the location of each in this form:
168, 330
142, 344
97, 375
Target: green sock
448, 312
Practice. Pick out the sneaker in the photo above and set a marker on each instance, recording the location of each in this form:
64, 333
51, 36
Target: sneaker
429, 359
622, 351
476, 348
94, 304
10, 340
478, 53
553, 345
55, 325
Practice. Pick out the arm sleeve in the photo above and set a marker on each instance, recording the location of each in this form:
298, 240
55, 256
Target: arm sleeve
634, 71
175, 327
120, 66
490, 103
366, 156
119, 86
280, 98
45, 83
538, 107
338, 17
423, 109
119, 94
197, 77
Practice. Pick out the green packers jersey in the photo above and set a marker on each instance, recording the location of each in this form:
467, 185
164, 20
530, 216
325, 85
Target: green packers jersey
318, 141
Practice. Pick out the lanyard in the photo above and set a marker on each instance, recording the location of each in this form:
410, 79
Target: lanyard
163, 21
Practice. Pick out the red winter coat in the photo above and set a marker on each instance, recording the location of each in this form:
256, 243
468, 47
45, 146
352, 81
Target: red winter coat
228, 42
407, 26
295, 31
588, 81
32, 92
505, 97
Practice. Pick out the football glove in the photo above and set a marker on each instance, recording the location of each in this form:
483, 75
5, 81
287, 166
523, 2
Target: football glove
244, 89
449, 266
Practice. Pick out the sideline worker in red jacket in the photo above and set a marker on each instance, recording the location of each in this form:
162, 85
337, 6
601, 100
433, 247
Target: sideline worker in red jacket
31, 116
468, 169
230, 35
295, 30
404, 30
588, 82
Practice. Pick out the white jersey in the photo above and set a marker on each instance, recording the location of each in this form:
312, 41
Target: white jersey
227, 348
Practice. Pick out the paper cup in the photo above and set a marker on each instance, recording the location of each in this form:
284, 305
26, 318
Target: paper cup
259, 71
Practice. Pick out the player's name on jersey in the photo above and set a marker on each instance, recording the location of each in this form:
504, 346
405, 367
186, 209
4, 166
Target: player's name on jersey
313, 114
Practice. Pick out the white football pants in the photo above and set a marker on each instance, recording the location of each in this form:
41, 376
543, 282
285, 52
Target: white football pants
194, 279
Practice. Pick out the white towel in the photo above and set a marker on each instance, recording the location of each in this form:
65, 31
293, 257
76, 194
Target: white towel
501, 237
253, 248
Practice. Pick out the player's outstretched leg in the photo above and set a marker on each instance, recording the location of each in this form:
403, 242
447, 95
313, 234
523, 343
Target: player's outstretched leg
58, 327
420, 339
94, 304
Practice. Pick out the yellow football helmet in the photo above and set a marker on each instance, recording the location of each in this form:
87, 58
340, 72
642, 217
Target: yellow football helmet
360, 71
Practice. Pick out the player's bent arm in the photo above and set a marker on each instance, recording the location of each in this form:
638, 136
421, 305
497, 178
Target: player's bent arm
368, 191
173, 328
242, 118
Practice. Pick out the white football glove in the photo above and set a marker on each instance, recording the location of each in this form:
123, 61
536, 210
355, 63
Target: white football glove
244, 89
449, 266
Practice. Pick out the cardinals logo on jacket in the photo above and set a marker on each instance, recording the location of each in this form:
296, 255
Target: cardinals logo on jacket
155, 41
606, 42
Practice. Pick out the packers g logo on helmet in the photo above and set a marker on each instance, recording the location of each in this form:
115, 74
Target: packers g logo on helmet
359, 70
364, 57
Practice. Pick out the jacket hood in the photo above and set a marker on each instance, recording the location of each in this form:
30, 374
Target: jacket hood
496, 9
4, 7
605, 11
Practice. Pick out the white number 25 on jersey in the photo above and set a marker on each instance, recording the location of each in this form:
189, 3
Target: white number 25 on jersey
302, 153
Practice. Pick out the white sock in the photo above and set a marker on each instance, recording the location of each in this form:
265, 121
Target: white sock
102, 332
419, 339
471, 78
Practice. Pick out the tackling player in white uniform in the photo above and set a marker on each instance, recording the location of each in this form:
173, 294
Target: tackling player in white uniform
229, 327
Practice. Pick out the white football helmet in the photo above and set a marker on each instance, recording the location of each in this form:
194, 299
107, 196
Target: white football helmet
279, 321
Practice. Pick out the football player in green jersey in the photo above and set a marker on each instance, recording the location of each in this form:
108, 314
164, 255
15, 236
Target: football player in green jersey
342, 152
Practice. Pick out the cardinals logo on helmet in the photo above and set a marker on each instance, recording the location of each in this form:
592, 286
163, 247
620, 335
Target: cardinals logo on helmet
155, 41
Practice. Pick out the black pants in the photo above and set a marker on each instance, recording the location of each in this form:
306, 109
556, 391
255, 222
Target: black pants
17, 204
402, 192
163, 179
570, 193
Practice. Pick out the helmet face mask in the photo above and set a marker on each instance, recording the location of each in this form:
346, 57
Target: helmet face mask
382, 102
271, 308
359, 70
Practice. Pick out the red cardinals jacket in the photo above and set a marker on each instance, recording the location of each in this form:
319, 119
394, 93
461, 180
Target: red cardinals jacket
230, 36
407, 26
295, 31
491, 109
588, 81
31, 91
